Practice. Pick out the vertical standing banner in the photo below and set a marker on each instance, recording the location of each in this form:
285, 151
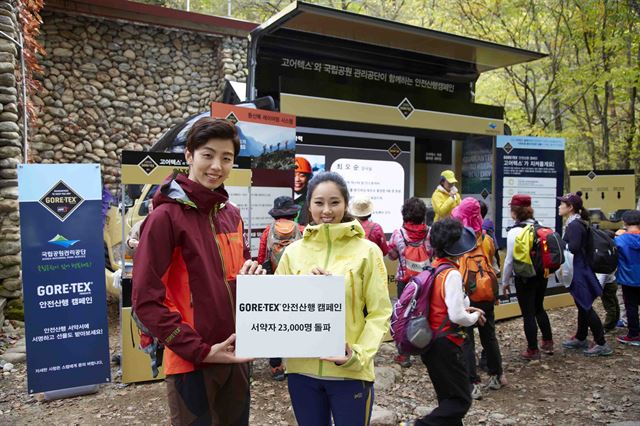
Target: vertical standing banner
477, 170
528, 165
63, 276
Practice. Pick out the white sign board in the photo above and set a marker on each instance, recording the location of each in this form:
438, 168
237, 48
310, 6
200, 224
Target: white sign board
292, 316
382, 181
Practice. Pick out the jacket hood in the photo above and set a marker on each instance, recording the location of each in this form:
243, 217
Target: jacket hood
333, 231
468, 212
413, 232
182, 190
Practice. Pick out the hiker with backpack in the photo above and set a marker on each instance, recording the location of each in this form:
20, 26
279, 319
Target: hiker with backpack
478, 272
530, 287
446, 196
334, 244
191, 250
628, 274
274, 239
410, 246
362, 208
448, 313
584, 286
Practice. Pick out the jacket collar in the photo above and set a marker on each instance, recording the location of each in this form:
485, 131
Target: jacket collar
333, 231
180, 189
441, 189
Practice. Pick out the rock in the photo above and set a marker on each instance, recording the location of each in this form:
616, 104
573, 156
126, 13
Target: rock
422, 410
15, 357
7, 126
62, 52
383, 417
7, 367
18, 349
89, 67
385, 378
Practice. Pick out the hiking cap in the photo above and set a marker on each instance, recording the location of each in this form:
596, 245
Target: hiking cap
283, 206
449, 176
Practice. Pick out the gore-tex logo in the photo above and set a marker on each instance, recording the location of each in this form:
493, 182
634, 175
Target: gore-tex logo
61, 200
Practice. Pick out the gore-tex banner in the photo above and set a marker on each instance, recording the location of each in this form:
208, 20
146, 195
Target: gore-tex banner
63, 278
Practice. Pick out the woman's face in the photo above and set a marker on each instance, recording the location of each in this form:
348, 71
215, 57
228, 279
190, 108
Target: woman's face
565, 209
327, 204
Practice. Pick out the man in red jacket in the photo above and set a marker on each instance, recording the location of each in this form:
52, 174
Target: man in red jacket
191, 249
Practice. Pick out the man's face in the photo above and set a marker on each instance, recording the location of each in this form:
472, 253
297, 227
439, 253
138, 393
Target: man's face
211, 163
300, 181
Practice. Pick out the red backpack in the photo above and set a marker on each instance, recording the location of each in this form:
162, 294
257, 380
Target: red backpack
414, 257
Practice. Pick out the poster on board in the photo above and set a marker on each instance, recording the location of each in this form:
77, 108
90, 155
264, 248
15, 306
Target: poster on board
477, 171
65, 303
373, 165
534, 166
268, 139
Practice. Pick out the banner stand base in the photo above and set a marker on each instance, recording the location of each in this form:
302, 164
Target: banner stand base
70, 392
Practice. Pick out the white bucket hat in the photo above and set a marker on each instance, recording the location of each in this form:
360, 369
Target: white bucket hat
361, 206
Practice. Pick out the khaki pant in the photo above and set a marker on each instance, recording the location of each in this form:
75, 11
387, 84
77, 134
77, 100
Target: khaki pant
215, 395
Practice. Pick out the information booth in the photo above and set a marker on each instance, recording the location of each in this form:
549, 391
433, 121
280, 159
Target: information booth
389, 106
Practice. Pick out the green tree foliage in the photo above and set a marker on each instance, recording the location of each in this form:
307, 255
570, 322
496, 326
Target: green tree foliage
586, 90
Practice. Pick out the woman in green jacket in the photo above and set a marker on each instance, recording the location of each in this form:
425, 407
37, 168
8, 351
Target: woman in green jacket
334, 244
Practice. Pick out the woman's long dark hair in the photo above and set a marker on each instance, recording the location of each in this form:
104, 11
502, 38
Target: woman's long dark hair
578, 207
339, 182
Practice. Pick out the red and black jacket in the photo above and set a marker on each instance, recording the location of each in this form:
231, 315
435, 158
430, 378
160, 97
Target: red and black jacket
191, 249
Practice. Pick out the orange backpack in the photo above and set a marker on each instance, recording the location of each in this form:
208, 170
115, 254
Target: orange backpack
480, 280
281, 234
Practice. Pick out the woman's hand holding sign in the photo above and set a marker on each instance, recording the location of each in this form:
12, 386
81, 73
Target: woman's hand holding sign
339, 360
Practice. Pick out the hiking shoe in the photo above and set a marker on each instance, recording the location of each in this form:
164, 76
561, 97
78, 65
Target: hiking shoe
622, 323
496, 382
403, 360
547, 347
277, 373
476, 391
531, 354
626, 340
574, 343
598, 350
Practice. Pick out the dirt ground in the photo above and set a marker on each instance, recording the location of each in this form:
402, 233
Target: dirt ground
564, 389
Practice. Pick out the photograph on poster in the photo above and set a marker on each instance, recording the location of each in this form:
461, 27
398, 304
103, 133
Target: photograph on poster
270, 147
318, 162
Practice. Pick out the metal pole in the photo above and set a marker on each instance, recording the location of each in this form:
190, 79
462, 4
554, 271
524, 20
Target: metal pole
229, 8
25, 117
188, 5
122, 242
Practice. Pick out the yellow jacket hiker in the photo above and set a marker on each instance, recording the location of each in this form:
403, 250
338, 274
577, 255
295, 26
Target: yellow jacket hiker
443, 203
341, 249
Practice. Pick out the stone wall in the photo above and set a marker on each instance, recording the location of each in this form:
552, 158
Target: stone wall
10, 157
110, 86
107, 86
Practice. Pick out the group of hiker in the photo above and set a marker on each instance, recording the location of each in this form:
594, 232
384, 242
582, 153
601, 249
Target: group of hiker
191, 249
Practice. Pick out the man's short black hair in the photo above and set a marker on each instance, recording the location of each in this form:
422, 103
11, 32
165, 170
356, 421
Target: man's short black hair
631, 217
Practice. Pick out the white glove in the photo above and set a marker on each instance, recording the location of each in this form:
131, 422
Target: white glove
453, 190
